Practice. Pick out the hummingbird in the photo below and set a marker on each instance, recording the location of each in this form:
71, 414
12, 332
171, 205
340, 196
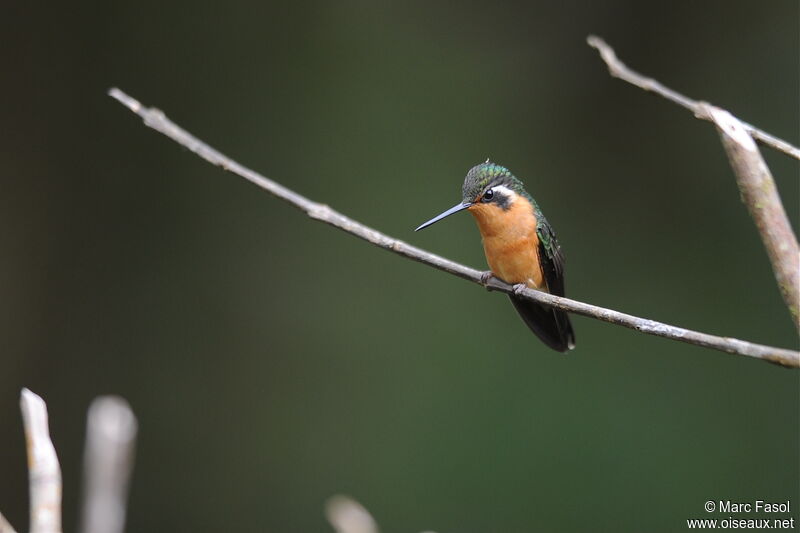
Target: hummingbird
520, 246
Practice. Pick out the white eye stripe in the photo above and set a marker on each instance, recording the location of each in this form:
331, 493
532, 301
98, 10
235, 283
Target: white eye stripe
504, 191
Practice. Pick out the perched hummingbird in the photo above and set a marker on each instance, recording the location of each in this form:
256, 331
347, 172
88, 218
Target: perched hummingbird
520, 246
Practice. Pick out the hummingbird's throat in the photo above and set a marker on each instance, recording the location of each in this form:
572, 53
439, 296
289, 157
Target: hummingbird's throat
510, 241
515, 221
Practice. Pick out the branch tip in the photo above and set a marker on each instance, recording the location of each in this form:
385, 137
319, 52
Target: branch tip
108, 460
44, 471
129, 102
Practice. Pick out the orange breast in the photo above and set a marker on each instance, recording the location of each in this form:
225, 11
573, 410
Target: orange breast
510, 241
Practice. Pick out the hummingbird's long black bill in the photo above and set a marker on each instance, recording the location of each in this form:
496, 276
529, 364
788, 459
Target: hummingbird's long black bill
437, 218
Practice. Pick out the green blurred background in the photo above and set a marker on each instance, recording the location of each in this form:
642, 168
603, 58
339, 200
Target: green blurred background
273, 361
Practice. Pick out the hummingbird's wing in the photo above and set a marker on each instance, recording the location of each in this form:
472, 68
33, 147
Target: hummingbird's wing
550, 325
551, 258
552, 263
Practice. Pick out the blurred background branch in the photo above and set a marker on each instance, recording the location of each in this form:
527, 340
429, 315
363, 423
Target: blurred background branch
111, 429
108, 460
346, 515
757, 187
156, 120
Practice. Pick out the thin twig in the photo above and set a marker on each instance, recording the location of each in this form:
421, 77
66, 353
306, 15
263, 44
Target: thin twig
44, 472
618, 69
108, 460
754, 179
5, 527
155, 119
760, 195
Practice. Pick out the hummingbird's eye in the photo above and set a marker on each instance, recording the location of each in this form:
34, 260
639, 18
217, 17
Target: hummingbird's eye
488, 195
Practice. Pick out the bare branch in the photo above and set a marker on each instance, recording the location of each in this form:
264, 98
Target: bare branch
760, 195
158, 121
44, 472
754, 179
108, 460
5, 527
348, 516
618, 69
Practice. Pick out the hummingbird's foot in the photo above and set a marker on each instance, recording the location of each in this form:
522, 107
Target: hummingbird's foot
485, 278
519, 287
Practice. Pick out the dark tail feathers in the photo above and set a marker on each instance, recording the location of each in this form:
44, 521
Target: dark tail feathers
550, 325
